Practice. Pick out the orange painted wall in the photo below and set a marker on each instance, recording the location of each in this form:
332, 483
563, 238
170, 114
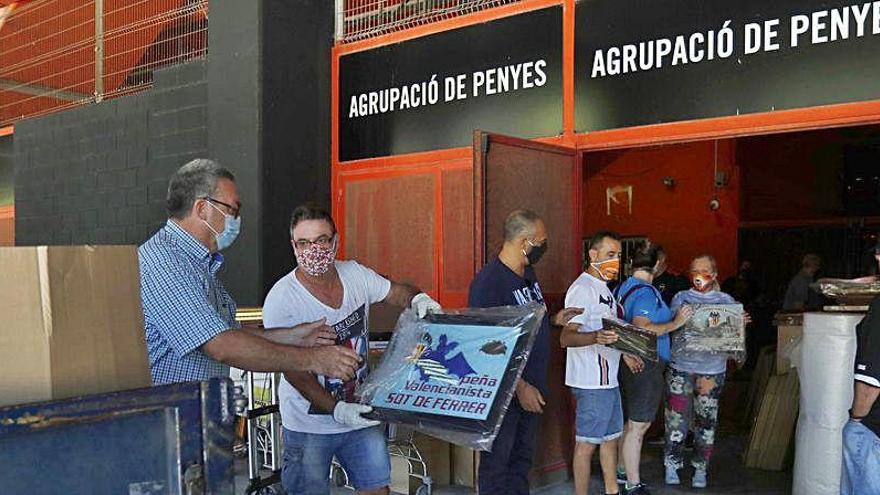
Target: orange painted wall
679, 218
7, 225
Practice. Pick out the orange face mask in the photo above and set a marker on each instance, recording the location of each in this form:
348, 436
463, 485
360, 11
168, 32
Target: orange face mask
702, 281
607, 269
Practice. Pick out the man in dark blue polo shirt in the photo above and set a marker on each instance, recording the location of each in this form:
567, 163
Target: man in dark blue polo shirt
509, 280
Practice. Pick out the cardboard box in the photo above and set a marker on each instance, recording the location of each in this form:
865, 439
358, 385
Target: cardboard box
465, 466
72, 322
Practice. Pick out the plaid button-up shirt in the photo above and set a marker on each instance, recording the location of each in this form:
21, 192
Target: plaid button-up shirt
185, 305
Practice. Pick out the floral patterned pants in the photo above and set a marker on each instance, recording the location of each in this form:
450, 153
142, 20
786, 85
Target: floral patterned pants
691, 396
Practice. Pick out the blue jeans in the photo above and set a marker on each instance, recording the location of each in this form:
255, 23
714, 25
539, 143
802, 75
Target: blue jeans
505, 470
307, 457
861, 460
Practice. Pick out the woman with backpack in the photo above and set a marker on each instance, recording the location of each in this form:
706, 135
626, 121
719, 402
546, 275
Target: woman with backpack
642, 392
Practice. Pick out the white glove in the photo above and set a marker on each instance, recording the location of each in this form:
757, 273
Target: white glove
350, 415
423, 304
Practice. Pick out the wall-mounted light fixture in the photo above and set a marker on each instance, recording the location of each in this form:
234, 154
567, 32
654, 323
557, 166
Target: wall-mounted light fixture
719, 181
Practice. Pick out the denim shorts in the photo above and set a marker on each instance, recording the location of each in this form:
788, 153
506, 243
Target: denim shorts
599, 416
307, 457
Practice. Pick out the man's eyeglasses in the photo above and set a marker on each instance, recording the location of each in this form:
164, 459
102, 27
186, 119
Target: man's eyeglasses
323, 241
235, 211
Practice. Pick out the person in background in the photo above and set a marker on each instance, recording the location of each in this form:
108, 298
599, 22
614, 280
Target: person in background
694, 382
591, 367
509, 280
669, 284
189, 317
861, 444
320, 415
642, 392
743, 286
798, 295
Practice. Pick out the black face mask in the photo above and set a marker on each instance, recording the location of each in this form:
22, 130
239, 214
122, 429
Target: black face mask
536, 253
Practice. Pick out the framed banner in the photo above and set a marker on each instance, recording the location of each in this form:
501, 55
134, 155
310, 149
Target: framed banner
453, 375
712, 328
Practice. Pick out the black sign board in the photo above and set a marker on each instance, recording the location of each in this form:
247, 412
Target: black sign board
431, 92
640, 62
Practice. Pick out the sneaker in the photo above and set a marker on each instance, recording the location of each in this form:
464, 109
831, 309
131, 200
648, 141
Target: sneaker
640, 489
672, 476
699, 480
621, 476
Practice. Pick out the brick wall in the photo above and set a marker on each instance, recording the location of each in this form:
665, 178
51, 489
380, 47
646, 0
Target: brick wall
98, 174
259, 104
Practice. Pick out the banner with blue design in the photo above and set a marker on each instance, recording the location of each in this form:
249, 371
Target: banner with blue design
452, 375
454, 371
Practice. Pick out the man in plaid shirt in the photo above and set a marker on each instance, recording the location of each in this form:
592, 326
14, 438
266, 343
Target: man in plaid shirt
189, 317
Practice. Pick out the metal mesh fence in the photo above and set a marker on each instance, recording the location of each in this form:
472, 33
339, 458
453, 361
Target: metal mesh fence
362, 19
55, 54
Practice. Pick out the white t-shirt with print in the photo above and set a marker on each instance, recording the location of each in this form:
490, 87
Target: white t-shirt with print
289, 303
593, 366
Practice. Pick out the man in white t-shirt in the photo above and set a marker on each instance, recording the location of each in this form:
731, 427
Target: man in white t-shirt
591, 367
320, 418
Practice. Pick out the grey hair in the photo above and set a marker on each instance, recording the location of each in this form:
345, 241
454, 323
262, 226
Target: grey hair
196, 179
520, 223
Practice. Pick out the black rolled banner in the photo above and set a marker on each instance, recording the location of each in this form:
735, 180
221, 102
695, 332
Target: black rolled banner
641, 63
431, 92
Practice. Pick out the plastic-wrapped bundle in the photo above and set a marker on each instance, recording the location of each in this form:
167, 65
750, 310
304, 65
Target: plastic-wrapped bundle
828, 351
715, 329
632, 339
452, 375
858, 291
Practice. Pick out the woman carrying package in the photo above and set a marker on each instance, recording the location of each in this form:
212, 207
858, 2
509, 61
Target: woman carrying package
644, 307
694, 381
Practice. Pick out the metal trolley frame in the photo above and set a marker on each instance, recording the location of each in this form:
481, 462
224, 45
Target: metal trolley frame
263, 420
400, 444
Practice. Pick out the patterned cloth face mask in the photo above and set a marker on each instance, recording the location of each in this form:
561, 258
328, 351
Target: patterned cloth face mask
316, 260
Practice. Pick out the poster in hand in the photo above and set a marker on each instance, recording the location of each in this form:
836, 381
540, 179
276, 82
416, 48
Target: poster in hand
632, 339
713, 328
452, 375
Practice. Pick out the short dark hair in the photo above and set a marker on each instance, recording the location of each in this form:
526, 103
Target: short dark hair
645, 257
601, 235
310, 211
811, 259
196, 179
518, 223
